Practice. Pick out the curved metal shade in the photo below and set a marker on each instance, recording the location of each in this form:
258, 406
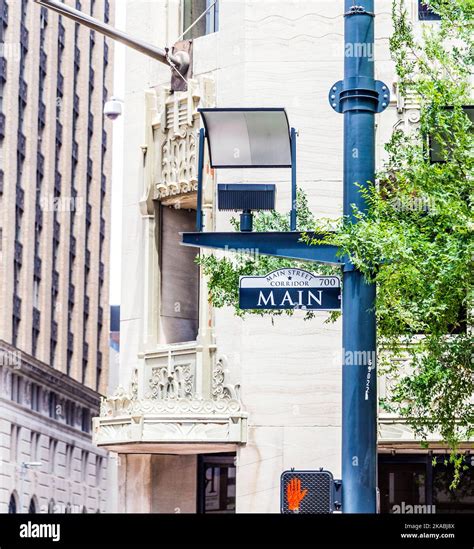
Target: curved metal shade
248, 138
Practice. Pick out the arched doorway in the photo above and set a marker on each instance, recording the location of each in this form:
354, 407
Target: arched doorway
12, 504
32, 506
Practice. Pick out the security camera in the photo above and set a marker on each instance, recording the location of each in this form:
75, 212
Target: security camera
113, 108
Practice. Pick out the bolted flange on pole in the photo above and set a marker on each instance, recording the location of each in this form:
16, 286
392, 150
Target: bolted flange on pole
358, 97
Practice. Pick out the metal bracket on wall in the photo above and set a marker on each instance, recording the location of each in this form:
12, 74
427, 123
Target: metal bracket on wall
179, 78
368, 99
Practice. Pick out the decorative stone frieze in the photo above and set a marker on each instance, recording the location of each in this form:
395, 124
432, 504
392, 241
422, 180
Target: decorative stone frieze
164, 405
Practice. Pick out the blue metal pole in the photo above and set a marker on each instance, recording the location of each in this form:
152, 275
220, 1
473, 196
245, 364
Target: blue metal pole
293, 180
202, 141
359, 102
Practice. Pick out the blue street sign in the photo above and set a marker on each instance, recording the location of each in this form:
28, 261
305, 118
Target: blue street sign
290, 289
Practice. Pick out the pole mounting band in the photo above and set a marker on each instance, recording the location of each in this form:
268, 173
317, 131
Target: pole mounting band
358, 10
360, 96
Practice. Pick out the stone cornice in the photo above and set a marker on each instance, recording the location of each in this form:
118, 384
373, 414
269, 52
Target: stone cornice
41, 373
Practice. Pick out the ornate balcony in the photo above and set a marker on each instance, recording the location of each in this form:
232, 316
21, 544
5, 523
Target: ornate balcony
164, 409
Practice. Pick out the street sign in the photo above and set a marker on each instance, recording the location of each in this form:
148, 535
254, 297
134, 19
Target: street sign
309, 492
290, 289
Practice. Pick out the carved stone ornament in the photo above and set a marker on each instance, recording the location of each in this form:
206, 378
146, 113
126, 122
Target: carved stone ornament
175, 139
171, 391
171, 382
220, 390
408, 109
117, 404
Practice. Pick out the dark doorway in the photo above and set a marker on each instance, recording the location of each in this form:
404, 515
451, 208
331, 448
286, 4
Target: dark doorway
12, 508
179, 277
422, 479
32, 507
216, 483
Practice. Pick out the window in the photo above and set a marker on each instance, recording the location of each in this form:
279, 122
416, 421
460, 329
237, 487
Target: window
15, 431
69, 459
216, 483
425, 13
207, 24
84, 463
86, 420
15, 330
52, 353
16, 388
35, 446
98, 470
53, 405
51, 506
53, 445
84, 366
36, 288
34, 338
70, 413
69, 362
423, 479
98, 370
35, 397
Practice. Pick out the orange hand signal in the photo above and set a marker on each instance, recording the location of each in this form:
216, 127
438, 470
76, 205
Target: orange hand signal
294, 494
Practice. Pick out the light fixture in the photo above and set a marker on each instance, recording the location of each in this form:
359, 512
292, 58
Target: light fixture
248, 198
31, 464
113, 108
248, 138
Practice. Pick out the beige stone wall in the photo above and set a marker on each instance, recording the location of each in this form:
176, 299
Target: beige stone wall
157, 483
62, 486
103, 75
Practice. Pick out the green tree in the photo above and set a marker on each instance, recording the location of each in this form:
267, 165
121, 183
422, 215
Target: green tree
415, 241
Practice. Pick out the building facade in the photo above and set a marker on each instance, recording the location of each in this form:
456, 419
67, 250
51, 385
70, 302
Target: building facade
54, 222
211, 409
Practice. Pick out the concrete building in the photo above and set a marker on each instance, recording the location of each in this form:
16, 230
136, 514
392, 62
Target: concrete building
54, 225
211, 408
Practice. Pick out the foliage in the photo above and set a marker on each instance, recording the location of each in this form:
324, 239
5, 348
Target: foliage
415, 239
